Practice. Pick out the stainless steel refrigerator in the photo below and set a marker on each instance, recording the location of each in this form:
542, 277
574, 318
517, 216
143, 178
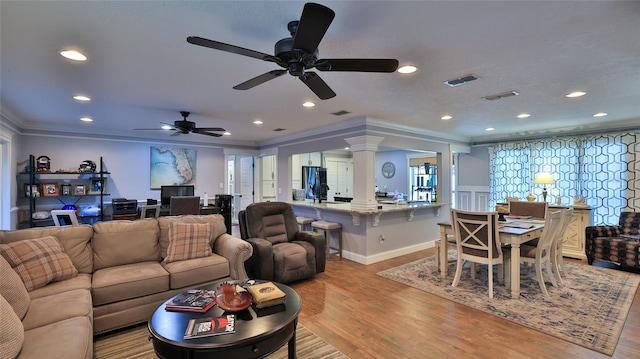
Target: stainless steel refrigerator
314, 180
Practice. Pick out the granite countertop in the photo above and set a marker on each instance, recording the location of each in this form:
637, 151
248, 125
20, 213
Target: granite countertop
382, 207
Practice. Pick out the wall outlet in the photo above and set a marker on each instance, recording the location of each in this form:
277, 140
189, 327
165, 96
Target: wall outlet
382, 239
221, 185
279, 190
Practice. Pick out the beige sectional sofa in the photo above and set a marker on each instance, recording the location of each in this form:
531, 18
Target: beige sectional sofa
123, 271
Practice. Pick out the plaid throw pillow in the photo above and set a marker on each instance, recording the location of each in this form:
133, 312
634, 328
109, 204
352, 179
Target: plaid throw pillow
188, 241
38, 261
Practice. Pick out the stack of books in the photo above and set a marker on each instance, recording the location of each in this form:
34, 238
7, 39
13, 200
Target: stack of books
266, 295
194, 300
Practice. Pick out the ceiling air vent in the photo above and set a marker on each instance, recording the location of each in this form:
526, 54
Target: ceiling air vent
501, 95
460, 81
340, 113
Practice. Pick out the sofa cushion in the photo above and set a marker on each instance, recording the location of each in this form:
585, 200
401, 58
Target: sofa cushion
124, 242
216, 220
81, 281
58, 307
74, 239
188, 241
128, 281
38, 261
13, 290
12, 331
68, 339
194, 271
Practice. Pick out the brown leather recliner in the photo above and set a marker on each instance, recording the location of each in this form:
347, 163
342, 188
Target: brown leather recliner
281, 252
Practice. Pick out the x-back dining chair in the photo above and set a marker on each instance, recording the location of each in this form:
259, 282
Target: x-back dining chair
477, 241
534, 209
540, 254
557, 260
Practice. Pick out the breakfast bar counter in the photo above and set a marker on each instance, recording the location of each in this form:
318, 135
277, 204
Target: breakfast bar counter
385, 231
409, 208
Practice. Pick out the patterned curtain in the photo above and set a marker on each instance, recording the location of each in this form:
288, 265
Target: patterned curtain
605, 169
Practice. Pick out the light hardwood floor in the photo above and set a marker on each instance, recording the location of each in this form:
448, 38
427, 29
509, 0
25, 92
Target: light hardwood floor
367, 316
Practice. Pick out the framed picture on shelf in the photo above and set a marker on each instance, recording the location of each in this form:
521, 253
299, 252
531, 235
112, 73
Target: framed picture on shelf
79, 190
65, 189
50, 189
31, 188
96, 186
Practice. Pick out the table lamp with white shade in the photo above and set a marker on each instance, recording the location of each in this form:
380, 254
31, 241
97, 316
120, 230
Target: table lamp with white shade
544, 178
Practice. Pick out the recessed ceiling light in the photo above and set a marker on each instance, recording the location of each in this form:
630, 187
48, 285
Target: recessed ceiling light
166, 127
82, 98
308, 104
408, 69
227, 133
523, 115
576, 94
446, 117
86, 119
73, 55
347, 148
257, 122
489, 129
600, 114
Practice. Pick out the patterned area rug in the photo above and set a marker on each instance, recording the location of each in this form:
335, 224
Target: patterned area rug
134, 343
588, 310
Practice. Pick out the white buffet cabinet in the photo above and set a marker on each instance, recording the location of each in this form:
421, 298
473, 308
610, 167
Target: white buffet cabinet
574, 238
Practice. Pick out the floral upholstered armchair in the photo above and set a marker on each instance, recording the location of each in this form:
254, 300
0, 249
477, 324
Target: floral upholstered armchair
619, 244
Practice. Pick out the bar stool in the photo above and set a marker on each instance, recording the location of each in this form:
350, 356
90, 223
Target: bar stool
327, 228
304, 223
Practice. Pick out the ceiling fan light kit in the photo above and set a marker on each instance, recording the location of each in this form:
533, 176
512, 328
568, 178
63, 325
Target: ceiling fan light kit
299, 53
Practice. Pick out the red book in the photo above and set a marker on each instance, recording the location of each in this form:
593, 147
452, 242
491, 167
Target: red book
194, 300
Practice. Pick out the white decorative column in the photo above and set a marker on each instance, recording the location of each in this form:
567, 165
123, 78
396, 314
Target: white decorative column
364, 162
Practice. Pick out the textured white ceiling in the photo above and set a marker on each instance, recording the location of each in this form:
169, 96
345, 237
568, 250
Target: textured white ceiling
141, 70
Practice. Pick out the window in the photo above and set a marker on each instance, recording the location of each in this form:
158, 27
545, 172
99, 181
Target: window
602, 168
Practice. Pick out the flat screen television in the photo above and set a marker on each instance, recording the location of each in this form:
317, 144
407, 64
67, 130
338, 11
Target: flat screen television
166, 192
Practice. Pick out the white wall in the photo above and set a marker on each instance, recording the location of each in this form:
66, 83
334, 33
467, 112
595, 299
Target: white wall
128, 162
400, 181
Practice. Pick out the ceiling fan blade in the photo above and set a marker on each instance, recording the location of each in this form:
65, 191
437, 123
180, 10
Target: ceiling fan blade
149, 129
358, 65
314, 22
317, 85
207, 133
228, 48
177, 133
214, 129
259, 79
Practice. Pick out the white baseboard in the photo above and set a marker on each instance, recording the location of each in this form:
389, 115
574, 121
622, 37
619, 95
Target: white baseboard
359, 258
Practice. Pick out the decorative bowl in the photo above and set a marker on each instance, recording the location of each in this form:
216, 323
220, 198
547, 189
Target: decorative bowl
230, 300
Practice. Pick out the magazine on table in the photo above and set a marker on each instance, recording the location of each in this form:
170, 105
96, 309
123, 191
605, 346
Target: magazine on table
194, 300
206, 327
524, 225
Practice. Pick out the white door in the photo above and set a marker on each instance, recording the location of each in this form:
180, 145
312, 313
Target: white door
246, 184
332, 180
268, 178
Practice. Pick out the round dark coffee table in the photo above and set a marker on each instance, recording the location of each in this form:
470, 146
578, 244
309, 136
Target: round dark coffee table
259, 332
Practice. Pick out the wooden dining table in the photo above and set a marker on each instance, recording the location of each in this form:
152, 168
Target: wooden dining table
508, 235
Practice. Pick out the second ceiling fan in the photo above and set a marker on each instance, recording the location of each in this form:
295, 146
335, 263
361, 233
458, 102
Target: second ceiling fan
299, 53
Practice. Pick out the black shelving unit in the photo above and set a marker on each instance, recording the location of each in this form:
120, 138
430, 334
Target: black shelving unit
34, 179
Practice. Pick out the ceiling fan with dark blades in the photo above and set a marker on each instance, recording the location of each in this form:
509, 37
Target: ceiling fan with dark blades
183, 127
299, 53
